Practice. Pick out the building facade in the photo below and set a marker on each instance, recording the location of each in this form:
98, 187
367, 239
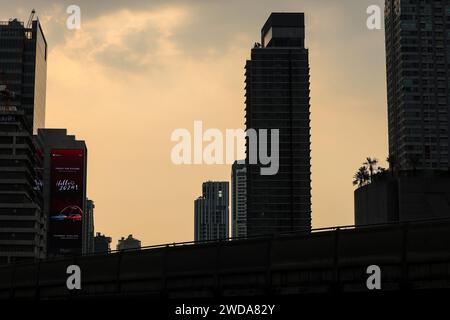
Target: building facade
88, 227
407, 196
418, 82
23, 225
64, 190
23, 65
102, 243
239, 200
277, 97
211, 212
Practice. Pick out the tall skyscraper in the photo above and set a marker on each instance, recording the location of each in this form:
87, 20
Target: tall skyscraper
23, 65
277, 97
239, 200
211, 212
88, 227
64, 180
418, 82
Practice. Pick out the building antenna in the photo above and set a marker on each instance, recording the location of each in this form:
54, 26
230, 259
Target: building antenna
30, 20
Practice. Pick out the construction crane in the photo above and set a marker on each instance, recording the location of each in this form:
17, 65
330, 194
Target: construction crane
30, 19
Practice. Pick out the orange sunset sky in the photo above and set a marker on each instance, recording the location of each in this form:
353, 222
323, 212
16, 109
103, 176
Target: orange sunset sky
137, 70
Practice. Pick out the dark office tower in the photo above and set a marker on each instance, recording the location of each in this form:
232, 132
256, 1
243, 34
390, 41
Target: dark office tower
64, 180
417, 60
22, 222
277, 97
88, 227
211, 212
23, 65
239, 200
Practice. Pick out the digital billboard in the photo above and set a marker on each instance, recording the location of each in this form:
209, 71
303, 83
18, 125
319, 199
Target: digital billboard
67, 201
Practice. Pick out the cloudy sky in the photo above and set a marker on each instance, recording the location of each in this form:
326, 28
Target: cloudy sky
137, 70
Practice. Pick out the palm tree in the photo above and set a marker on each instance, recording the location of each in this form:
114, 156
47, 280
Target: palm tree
361, 177
392, 160
381, 170
371, 164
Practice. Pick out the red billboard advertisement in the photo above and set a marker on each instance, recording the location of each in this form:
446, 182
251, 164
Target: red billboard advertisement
67, 201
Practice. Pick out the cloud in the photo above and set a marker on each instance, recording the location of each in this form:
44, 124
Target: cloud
125, 39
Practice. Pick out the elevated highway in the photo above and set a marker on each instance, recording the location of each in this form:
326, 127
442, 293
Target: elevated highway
411, 256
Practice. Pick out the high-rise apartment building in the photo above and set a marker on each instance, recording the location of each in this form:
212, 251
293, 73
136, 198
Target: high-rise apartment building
417, 63
211, 212
23, 66
277, 97
418, 82
239, 200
